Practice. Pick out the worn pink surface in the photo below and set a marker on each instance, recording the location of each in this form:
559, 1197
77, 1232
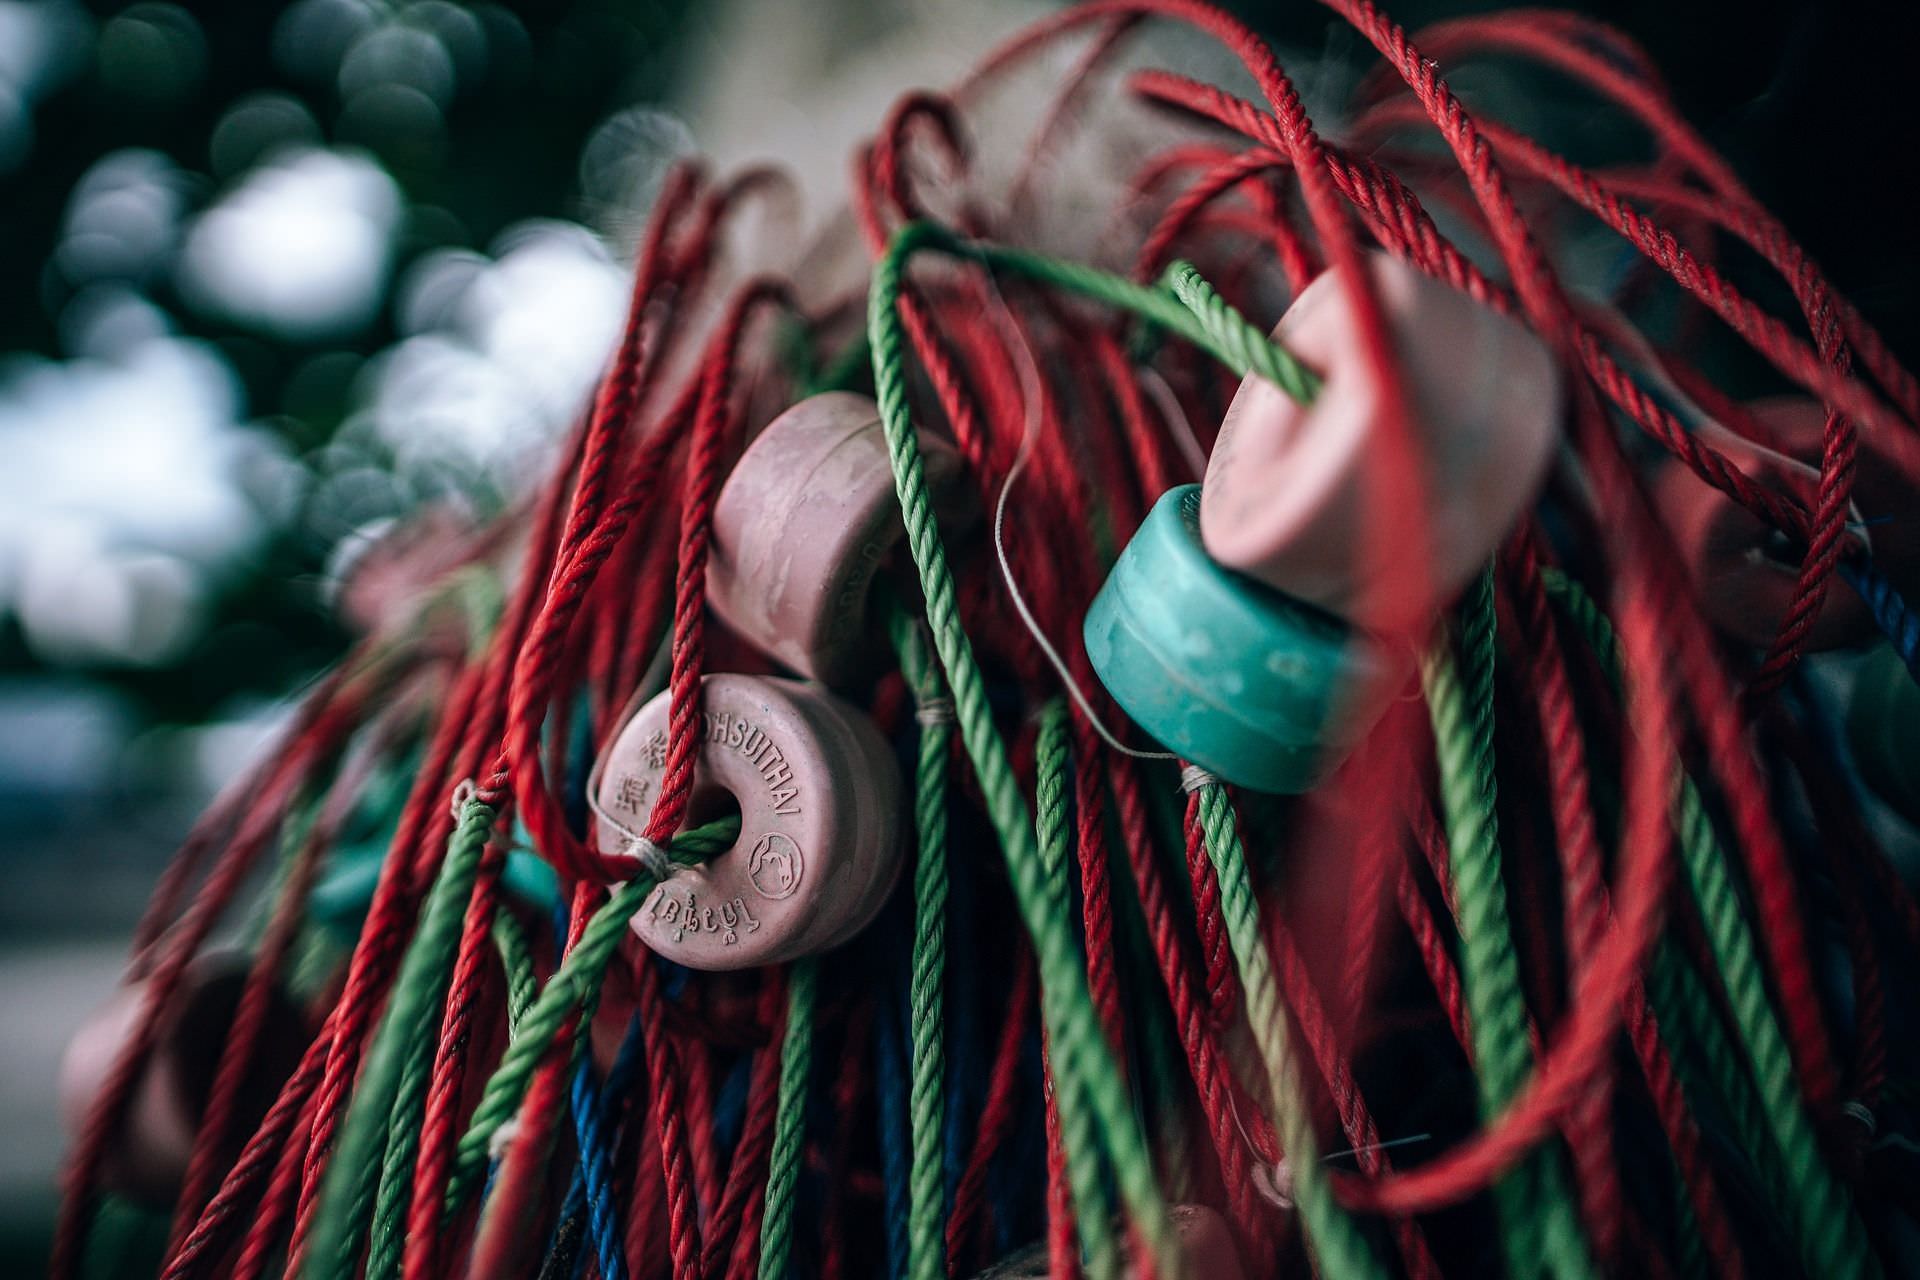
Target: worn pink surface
148, 1158
821, 833
1290, 489
805, 521
1744, 575
1883, 485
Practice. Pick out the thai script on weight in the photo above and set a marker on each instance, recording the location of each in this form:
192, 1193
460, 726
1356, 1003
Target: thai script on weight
750, 740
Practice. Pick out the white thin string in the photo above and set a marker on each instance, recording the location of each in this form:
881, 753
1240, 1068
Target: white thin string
1274, 1181
651, 681
1193, 778
652, 858
1179, 427
1030, 392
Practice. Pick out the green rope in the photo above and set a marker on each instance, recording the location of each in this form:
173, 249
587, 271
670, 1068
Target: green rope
789, 1122
1538, 1223
1182, 303
516, 963
1080, 1052
1831, 1238
1093, 1207
1710, 1066
926, 1181
578, 977
403, 1139
1340, 1250
1247, 349
347, 1193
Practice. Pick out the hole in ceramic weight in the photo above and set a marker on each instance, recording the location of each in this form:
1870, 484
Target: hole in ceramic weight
710, 803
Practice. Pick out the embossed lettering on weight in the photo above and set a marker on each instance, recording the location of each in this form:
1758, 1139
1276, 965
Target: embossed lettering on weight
654, 750
681, 917
633, 793
737, 733
775, 866
733, 913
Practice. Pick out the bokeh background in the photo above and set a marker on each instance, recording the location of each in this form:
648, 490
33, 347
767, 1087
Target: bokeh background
275, 275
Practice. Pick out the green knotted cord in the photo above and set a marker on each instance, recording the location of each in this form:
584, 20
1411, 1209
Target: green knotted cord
926, 1107
789, 1121
1340, 1250
1537, 1218
1093, 1207
516, 964
1181, 302
347, 1193
1080, 1052
1831, 1238
578, 978
1710, 1065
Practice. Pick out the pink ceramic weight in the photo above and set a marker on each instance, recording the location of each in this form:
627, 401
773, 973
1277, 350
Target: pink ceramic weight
1885, 488
802, 525
148, 1156
1288, 488
820, 839
1743, 571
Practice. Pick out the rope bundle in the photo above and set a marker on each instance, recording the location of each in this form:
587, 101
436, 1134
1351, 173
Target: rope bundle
1584, 961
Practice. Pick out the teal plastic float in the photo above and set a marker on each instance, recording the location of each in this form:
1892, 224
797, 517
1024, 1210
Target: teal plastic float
1249, 684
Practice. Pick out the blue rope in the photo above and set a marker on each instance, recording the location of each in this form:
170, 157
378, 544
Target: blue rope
1894, 615
730, 1104
596, 1165
594, 1174
889, 1076
625, 1071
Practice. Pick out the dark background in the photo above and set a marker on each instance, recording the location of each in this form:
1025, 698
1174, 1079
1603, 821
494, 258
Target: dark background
137, 668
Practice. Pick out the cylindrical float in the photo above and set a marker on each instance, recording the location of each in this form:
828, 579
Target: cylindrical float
1744, 570
1292, 491
148, 1157
820, 846
803, 524
1262, 690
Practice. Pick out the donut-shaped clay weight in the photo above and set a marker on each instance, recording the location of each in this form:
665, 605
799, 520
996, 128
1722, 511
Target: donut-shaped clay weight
1744, 571
1257, 688
1205, 1243
1883, 728
1291, 488
148, 1157
820, 843
1886, 489
807, 518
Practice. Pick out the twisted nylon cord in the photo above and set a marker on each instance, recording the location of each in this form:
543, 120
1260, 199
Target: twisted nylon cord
1080, 1051
1537, 1220
926, 1255
789, 1125
578, 975
1832, 1240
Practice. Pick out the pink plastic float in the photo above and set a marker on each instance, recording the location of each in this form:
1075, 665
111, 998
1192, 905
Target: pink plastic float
820, 823
1745, 573
1289, 487
1883, 483
803, 524
149, 1157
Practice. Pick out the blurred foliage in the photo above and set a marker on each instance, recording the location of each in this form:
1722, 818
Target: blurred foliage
479, 113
